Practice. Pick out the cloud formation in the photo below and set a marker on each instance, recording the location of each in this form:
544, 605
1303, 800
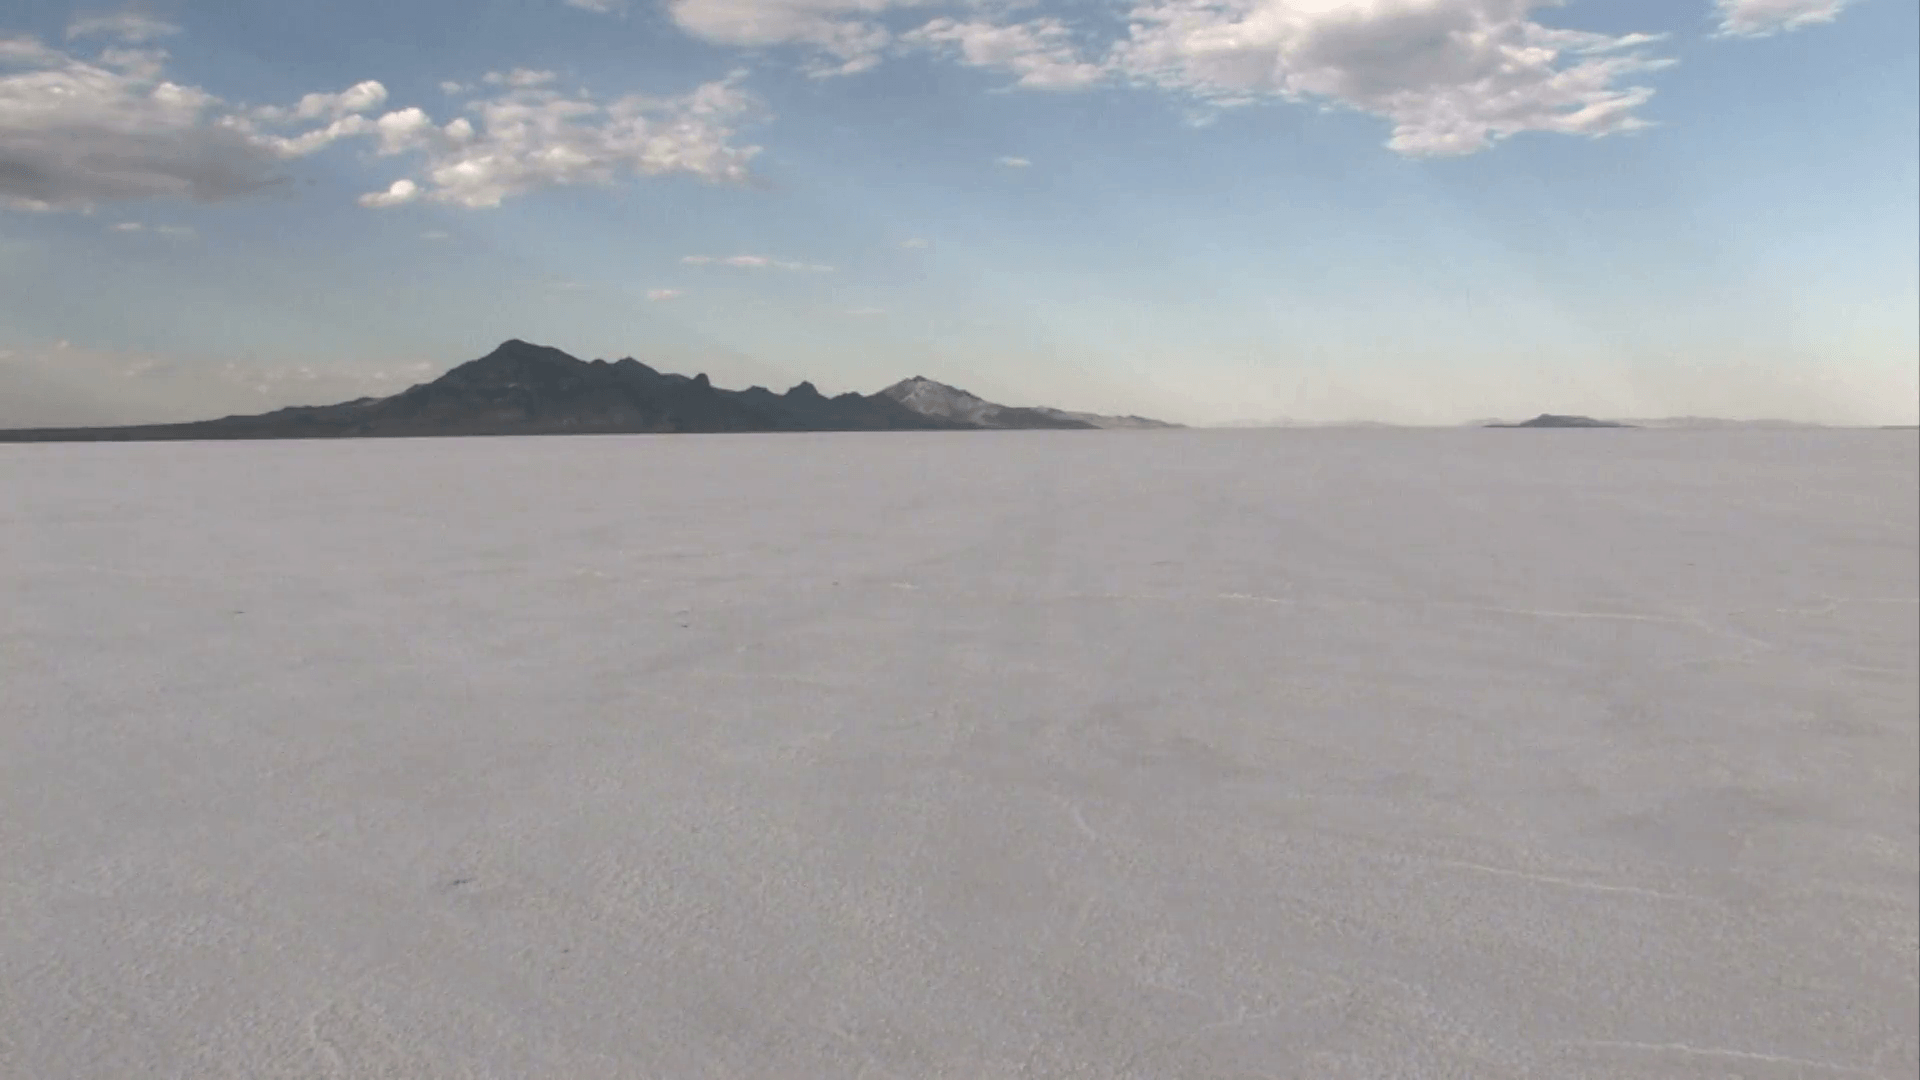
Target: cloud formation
74, 132
529, 137
1449, 76
77, 131
1759, 18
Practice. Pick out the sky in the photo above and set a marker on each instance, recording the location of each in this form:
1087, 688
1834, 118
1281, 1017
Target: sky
1412, 211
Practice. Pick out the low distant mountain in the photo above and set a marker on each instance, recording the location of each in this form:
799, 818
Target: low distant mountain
1551, 420
1713, 423
937, 399
526, 389
1109, 423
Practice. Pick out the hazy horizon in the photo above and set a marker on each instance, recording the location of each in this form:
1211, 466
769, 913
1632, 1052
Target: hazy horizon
130, 396
1420, 212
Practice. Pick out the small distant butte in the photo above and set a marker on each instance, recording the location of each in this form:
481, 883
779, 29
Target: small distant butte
1554, 420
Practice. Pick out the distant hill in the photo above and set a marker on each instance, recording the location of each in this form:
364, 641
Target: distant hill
1110, 423
1551, 420
1712, 423
1671, 423
524, 389
937, 399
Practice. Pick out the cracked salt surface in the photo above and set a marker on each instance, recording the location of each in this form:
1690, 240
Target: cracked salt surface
1163, 754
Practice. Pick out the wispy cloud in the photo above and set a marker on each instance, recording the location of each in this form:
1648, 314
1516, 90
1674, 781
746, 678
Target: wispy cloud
599, 7
1759, 18
754, 262
1042, 52
176, 231
657, 295
519, 78
124, 26
1015, 162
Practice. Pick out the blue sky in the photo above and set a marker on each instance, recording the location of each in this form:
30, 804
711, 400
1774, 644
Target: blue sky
1422, 211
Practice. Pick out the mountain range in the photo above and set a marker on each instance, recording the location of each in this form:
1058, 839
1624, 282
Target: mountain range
525, 389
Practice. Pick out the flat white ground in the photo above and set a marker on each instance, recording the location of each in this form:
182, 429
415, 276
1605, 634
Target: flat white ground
1203, 755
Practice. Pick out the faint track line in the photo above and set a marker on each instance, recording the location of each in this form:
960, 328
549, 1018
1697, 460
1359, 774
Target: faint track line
1685, 1050
1564, 882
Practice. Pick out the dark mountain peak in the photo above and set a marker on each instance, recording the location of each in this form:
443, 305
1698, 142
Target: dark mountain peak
514, 362
804, 390
702, 381
513, 349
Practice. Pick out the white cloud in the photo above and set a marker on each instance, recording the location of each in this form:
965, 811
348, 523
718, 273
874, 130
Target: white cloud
400, 191
1041, 51
128, 226
450, 87
75, 132
599, 7
530, 137
754, 262
123, 26
436, 235
1758, 18
358, 98
1014, 162
657, 295
1452, 76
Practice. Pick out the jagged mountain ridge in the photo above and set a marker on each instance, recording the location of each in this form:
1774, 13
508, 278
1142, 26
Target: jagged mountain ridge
525, 389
